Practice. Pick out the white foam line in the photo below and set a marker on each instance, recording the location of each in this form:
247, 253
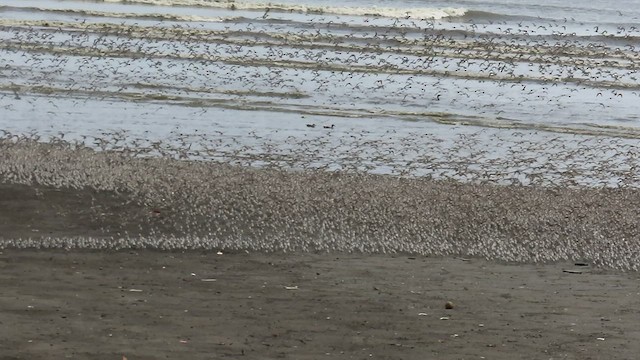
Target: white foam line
415, 13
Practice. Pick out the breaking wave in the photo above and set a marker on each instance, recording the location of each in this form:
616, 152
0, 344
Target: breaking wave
416, 13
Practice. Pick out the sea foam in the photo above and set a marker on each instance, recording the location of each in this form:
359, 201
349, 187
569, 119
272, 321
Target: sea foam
415, 13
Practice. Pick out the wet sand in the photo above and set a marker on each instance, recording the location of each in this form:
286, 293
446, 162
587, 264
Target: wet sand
151, 305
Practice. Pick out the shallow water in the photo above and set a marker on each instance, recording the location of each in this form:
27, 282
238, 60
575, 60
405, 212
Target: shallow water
243, 81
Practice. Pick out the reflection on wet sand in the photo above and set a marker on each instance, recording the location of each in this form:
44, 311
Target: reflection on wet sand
446, 68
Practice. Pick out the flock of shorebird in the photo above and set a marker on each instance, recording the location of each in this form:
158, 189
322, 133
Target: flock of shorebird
169, 204
581, 204
402, 68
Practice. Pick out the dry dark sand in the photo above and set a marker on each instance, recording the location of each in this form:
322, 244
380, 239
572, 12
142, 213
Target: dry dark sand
149, 304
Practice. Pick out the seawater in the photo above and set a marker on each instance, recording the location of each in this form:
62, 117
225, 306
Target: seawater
379, 72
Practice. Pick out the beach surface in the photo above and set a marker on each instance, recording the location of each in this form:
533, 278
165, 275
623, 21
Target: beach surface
108, 256
203, 305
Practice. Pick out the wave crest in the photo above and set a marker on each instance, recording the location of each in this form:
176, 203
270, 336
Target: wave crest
416, 13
